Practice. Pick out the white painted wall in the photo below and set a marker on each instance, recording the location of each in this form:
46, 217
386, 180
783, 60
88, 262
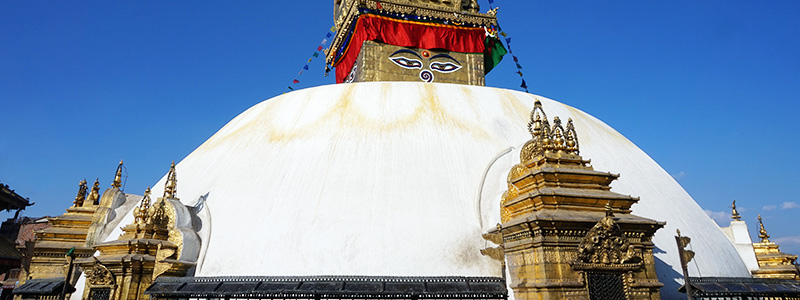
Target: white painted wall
388, 179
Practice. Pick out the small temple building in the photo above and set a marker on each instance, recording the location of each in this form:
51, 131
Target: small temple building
409, 179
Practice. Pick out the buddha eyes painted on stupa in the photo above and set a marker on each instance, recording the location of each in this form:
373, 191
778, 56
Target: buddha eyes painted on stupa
423, 61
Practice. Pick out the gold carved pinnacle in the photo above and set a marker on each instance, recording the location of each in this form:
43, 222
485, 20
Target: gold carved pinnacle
735, 213
141, 213
762, 233
158, 215
117, 183
547, 139
81, 196
94, 195
171, 187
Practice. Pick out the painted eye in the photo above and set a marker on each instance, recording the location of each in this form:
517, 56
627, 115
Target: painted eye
444, 67
407, 63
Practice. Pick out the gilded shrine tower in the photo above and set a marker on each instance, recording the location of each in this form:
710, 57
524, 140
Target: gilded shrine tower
157, 243
414, 40
564, 233
79, 228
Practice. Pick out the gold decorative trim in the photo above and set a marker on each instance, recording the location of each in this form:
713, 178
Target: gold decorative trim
606, 248
99, 275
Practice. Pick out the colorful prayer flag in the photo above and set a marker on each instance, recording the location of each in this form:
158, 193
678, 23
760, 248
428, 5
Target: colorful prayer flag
324, 41
295, 81
328, 35
491, 1
319, 48
520, 73
305, 67
515, 58
333, 28
524, 85
508, 40
290, 88
504, 34
519, 67
316, 54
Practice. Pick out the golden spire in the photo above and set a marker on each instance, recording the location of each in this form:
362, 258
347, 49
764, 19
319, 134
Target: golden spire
171, 187
762, 233
141, 213
94, 195
735, 213
118, 176
81, 194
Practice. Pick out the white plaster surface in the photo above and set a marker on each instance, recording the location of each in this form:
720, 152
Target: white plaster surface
738, 233
388, 179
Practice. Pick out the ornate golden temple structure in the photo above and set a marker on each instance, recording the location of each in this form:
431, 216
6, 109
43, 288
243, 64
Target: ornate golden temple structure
149, 247
564, 233
78, 229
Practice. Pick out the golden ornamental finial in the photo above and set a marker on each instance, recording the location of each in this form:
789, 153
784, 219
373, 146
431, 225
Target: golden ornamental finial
735, 213
117, 183
94, 195
538, 116
141, 213
545, 139
171, 187
572, 138
81, 194
609, 211
762, 233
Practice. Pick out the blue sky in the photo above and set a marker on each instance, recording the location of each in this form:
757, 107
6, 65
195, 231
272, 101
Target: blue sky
709, 89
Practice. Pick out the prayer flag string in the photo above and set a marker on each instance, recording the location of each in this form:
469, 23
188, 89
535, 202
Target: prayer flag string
317, 51
507, 39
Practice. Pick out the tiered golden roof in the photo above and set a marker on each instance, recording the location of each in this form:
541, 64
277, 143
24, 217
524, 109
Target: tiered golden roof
553, 175
772, 263
77, 228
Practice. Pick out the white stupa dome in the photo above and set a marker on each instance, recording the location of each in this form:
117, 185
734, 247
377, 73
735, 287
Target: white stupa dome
401, 178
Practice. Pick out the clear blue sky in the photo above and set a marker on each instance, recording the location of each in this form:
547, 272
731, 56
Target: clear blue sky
708, 88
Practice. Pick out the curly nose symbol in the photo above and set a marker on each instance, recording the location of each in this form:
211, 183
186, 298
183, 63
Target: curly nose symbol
426, 76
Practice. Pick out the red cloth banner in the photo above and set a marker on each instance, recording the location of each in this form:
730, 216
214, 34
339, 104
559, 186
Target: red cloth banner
407, 33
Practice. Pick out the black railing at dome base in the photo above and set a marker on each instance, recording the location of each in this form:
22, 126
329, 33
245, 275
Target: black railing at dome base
328, 287
734, 288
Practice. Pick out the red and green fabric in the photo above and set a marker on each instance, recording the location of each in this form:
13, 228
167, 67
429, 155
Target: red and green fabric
493, 53
414, 34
